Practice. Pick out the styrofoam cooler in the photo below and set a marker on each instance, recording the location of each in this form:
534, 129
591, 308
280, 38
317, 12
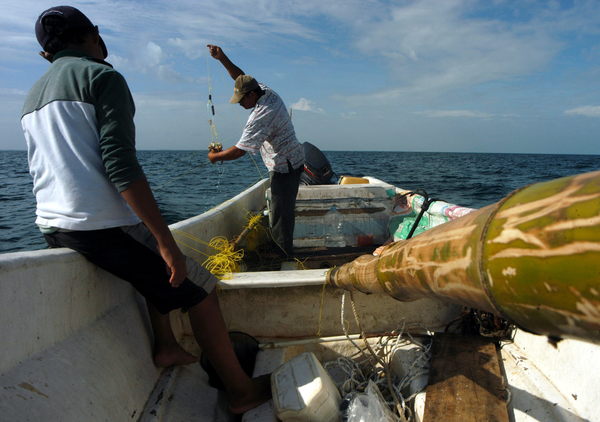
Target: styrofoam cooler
303, 391
337, 216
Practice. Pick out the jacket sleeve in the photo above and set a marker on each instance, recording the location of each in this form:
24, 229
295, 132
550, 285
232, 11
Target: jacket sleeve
114, 112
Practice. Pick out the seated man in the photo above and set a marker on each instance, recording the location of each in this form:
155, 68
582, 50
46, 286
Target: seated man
92, 195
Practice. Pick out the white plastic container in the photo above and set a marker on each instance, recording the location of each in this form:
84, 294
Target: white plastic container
304, 392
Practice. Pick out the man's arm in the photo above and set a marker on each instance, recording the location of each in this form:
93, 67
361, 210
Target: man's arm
217, 53
115, 112
139, 197
232, 153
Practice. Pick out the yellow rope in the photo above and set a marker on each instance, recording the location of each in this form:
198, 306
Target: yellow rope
192, 237
321, 307
192, 248
253, 220
226, 261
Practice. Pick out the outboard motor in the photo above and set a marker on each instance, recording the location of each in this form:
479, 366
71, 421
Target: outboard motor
317, 170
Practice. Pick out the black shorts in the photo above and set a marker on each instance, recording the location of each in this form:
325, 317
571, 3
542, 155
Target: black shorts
130, 253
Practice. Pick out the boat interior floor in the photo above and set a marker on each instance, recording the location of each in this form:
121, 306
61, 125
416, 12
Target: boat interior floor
501, 375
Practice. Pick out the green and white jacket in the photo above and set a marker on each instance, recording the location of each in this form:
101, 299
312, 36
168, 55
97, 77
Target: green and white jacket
78, 125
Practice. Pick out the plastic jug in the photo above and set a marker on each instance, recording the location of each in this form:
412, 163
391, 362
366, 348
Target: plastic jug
304, 392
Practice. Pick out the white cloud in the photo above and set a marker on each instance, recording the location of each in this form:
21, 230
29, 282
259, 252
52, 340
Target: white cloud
589, 111
153, 54
149, 59
161, 102
304, 104
349, 115
12, 92
432, 47
455, 113
192, 48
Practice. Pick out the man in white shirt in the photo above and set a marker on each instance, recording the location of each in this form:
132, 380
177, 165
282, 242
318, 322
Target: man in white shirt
269, 129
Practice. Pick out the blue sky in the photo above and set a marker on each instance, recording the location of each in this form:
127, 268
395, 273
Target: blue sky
423, 75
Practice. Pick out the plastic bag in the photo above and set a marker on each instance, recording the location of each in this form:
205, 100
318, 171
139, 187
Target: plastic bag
367, 407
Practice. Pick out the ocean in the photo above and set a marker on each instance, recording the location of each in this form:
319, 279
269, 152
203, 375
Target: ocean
186, 184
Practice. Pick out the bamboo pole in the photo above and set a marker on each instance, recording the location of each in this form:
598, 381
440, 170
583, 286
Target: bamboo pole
532, 258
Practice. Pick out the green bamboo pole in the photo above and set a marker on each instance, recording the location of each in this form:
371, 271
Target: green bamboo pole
532, 258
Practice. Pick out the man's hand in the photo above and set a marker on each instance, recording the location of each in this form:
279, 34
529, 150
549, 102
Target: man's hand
216, 52
139, 197
175, 261
231, 153
212, 156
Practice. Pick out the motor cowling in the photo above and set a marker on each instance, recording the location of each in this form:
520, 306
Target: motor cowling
317, 169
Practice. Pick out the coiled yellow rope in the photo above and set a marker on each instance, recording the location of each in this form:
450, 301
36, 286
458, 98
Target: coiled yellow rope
226, 261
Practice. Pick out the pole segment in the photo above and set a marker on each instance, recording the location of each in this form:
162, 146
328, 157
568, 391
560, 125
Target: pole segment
532, 258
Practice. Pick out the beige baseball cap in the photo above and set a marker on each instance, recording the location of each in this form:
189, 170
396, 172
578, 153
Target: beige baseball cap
243, 85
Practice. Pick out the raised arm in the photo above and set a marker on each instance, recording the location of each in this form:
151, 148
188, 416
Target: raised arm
217, 53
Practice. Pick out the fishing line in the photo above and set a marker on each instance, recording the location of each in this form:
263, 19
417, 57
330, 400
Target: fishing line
214, 137
210, 107
214, 134
256, 165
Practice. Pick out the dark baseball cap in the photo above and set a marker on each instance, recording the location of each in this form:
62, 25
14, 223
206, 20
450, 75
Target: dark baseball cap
68, 19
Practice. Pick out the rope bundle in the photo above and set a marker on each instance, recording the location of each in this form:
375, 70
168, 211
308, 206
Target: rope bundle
375, 366
227, 258
226, 261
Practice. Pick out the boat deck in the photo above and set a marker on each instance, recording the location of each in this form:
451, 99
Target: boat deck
184, 393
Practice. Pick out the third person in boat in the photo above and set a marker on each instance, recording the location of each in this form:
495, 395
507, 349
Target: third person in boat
269, 130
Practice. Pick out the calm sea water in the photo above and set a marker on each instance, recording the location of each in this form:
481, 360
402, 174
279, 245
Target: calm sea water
186, 184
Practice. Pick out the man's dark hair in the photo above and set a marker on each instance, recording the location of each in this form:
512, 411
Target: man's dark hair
61, 37
259, 91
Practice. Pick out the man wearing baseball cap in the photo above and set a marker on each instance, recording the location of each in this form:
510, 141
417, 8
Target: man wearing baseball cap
92, 195
269, 129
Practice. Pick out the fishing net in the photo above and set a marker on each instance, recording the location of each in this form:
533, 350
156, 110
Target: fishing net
374, 375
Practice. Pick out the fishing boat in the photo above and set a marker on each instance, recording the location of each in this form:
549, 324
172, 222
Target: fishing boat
470, 315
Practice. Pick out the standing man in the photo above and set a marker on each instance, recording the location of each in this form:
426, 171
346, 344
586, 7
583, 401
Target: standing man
269, 130
92, 195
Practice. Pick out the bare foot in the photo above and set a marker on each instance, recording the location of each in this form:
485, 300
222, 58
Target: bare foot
259, 395
173, 356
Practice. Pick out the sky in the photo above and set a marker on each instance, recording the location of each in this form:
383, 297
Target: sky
518, 76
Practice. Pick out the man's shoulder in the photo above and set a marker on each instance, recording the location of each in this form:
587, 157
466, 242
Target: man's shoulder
66, 79
100, 75
267, 90
83, 64
270, 97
